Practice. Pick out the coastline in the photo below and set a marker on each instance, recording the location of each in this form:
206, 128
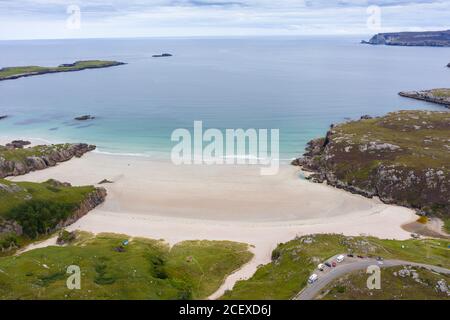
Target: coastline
156, 199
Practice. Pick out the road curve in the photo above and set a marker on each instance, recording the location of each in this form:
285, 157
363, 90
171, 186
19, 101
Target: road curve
312, 290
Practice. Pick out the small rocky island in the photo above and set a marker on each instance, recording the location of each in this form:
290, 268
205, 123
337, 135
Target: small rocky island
11, 73
439, 96
84, 118
403, 158
422, 39
163, 55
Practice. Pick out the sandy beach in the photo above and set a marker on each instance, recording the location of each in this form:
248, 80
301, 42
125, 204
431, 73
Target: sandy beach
159, 200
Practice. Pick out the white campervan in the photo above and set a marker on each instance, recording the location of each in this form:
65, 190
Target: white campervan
340, 258
313, 278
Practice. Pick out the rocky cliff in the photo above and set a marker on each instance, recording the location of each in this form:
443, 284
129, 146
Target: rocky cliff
403, 158
430, 38
14, 162
89, 202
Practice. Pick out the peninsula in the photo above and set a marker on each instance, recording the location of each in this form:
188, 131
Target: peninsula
410, 39
439, 96
402, 158
10, 73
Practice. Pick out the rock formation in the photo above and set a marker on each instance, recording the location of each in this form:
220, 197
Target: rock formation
439, 96
401, 158
429, 38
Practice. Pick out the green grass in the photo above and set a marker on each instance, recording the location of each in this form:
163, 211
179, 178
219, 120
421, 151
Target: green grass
403, 157
447, 225
37, 207
441, 93
354, 287
77, 66
21, 154
147, 269
43, 192
295, 260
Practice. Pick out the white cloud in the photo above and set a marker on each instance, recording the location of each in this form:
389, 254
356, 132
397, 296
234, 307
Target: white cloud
25, 19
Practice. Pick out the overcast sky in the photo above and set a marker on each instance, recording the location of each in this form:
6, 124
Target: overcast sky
38, 19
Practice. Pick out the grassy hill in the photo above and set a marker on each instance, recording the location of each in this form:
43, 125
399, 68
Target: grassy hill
294, 261
29, 210
402, 157
143, 269
396, 284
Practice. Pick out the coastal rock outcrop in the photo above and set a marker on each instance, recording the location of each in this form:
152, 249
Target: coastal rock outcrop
38, 158
92, 200
428, 38
439, 96
402, 158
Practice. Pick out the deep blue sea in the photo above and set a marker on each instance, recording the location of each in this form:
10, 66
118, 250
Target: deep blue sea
297, 85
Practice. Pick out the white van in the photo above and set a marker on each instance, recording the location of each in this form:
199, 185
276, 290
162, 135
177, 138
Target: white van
313, 278
340, 258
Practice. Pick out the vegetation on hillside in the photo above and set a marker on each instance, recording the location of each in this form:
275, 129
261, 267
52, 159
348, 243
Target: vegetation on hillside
397, 283
20, 155
36, 207
294, 261
403, 157
114, 269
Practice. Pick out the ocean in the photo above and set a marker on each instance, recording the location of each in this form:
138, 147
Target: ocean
299, 85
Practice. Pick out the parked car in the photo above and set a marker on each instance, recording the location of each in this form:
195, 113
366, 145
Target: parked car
350, 255
313, 278
340, 258
328, 264
334, 264
361, 257
321, 267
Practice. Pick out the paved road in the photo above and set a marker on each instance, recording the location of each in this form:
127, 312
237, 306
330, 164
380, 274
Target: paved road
350, 265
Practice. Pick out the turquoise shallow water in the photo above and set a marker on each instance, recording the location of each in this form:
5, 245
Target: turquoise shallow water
297, 85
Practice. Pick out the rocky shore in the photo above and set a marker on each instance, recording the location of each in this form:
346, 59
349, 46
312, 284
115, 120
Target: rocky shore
402, 158
422, 39
439, 96
19, 161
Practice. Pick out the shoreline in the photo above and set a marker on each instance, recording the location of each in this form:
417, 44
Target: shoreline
159, 200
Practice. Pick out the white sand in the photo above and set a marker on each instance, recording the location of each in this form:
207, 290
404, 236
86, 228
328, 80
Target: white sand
158, 200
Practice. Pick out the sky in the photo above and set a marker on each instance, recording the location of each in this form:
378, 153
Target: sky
56, 19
